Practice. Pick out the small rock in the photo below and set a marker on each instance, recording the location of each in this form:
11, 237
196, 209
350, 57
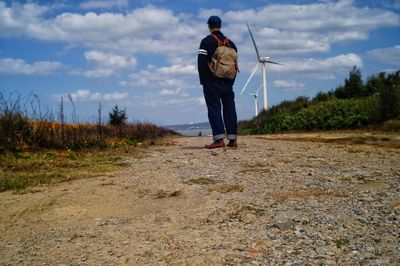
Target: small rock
284, 225
215, 218
368, 199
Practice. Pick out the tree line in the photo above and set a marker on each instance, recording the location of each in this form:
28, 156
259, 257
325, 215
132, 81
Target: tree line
355, 104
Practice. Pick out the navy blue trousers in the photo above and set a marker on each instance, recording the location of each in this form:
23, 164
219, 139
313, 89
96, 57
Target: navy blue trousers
220, 100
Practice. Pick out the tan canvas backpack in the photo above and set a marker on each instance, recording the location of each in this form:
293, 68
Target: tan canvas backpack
224, 62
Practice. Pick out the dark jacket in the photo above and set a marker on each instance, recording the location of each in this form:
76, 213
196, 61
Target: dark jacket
206, 50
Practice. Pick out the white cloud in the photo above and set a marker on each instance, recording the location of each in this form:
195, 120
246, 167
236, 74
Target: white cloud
115, 30
178, 69
147, 29
97, 73
289, 85
104, 4
19, 66
389, 55
87, 95
151, 79
320, 69
286, 43
289, 29
116, 96
106, 64
173, 102
170, 77
123, 83
335, 16
170, 92
110, 60
16, 19
166, 92
201, 101
283, 29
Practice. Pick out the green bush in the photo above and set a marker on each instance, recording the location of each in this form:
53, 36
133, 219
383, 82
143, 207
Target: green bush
333, 114
353, 105
389, 94
117, 117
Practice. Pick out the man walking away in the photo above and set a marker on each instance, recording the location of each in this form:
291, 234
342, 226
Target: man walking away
217, 79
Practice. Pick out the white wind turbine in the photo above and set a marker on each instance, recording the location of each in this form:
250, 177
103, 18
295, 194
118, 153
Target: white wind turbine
263, 61
255, 95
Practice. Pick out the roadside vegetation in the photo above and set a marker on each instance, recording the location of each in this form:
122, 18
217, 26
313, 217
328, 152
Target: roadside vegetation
353, 105
22, 170
36, 149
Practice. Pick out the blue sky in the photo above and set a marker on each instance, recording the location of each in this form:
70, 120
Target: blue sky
142, 55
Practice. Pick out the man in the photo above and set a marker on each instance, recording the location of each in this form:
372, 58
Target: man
218, 92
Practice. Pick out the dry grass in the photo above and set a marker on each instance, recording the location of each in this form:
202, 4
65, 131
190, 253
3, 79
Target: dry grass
395, 203
216, 185
18, 133
340, 242
255, 210
203, 181
226, 188
304, 194
354, 137
167, 194
254, 167
24, 170
79, 136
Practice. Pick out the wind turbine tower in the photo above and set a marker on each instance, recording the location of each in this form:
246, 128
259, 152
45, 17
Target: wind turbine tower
255, 102
263, 61
255, 95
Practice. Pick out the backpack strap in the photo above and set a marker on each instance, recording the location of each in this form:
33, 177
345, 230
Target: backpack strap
220, 43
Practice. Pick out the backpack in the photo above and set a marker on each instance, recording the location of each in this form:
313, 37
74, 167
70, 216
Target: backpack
224, 60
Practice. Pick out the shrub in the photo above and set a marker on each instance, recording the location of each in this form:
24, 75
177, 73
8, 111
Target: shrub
333, 114
14, 131
352, 105
117, 117
389, 94
17, 132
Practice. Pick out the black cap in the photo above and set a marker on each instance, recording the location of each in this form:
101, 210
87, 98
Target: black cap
214, 21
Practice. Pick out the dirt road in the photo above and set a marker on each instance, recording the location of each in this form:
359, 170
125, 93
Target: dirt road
272, 201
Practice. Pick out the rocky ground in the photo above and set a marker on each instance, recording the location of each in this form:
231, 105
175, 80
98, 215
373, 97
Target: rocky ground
282, 200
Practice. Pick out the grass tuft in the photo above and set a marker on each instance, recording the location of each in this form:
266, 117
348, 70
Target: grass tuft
203, 181
226, 188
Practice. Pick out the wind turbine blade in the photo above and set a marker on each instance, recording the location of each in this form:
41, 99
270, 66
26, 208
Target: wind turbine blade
251, 75
254, 42
272, 62
259, 88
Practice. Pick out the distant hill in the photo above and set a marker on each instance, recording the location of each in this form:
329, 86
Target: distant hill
203, 125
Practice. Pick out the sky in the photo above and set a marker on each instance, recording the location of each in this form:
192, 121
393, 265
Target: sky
142, 54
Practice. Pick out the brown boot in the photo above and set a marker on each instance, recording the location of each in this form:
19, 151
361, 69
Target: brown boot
232, 143
216, 144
